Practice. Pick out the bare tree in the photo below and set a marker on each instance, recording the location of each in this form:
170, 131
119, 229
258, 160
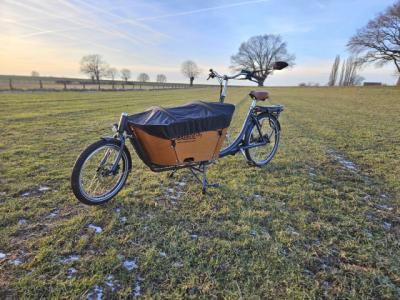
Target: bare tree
161, 78
334, 71
341, 79
35, 74
143, 77
125, 74
190, 70
349, 72
259, 53
94, 66
379, 41
112, 74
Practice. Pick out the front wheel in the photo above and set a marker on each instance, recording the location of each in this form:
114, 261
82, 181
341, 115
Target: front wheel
266, 137
92, 180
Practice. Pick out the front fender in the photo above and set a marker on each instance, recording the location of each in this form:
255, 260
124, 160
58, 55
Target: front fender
118, 141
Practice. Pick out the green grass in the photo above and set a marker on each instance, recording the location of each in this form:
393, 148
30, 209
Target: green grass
305, 226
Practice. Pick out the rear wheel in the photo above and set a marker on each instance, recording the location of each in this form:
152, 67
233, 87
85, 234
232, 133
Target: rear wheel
269, 132
92, 180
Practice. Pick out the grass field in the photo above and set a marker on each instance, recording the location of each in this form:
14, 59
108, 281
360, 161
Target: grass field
320, 221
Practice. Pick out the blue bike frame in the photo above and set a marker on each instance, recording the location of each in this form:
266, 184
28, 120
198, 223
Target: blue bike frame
239, 144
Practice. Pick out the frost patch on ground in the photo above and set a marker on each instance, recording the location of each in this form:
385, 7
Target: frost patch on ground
35, 191
367, 197
111, 283
97, 229
71, 272
384, 207
70, 258
387, 225
43, 188
122, 219
368, 233
174, 194
16, 262
312, 172
180, 183
2, 255
177, 264
130, 265
137, 289
22, 221
53, 214
96, 294
98, 291
347, 164
252, 197
291, 231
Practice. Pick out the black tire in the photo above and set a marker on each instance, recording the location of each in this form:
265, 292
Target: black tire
76, 185
270, 148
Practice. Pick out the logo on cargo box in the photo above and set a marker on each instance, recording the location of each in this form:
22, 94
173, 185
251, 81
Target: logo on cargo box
188, 138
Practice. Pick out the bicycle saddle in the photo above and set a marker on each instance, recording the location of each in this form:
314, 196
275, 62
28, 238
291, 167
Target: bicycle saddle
259, 95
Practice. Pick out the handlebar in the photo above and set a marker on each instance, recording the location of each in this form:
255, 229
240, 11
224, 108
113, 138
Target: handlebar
214, 74
249, 75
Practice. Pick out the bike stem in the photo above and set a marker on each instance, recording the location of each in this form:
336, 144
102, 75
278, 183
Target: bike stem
223, 90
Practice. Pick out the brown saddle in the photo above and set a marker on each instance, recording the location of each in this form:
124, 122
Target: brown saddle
259, 95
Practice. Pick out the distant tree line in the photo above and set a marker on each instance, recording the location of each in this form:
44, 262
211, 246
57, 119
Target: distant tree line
96, 68
348, 74
258, 54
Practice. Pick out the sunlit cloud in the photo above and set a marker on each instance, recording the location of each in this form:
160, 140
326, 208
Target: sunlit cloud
84, 21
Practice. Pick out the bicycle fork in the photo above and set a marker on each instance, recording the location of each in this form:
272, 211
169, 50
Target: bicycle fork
119, 129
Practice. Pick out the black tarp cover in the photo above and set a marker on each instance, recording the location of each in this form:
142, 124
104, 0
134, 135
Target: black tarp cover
175, 122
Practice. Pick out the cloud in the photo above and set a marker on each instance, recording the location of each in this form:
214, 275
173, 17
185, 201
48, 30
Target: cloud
69, 13
200, 10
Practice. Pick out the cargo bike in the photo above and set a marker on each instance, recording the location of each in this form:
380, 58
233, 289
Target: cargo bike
168, 139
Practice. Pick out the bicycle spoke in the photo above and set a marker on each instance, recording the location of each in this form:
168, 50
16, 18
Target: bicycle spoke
92, 181
95, 189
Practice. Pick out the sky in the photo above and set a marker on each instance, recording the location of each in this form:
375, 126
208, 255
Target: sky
51, 36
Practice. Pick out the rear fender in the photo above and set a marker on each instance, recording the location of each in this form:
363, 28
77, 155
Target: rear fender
268, 115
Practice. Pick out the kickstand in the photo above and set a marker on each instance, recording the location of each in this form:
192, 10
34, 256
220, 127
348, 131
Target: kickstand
203, 181
171, 174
